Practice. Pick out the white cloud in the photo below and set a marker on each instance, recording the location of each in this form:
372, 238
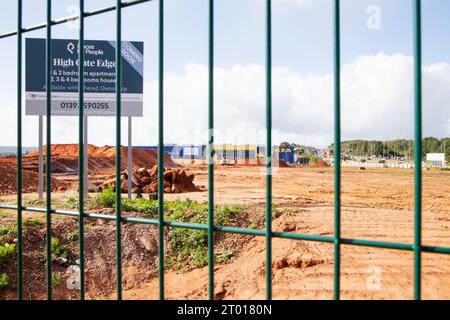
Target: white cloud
297, 3
377, 103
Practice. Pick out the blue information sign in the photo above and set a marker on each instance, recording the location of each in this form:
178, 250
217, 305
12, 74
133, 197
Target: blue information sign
99, 77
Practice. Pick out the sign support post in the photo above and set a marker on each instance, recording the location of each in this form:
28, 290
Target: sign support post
41, 160
130, 154
85, 154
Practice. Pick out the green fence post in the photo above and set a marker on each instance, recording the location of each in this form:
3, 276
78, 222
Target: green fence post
210, 151
48, 167
268, 163
81, 147
337, 150
161, 152
417, 147
118, 146
19, 150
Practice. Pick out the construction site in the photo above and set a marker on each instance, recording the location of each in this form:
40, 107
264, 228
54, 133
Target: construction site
224, 150
377, 204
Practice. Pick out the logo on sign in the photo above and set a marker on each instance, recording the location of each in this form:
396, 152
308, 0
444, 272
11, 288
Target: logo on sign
70, 47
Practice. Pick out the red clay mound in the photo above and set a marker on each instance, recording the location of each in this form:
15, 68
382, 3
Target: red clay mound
65, 158
8, 174
319, 164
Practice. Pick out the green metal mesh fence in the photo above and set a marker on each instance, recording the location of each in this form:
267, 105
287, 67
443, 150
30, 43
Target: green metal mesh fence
416, 247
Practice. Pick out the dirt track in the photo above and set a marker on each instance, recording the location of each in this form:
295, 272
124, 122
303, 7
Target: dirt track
377, 204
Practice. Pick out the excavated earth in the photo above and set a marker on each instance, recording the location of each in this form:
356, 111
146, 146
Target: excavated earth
64, 164
377, 204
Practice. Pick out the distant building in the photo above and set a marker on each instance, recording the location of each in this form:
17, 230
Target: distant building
226, 153
436, 159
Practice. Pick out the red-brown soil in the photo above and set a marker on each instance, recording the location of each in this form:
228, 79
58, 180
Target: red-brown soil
65, 158
8, 180
319, 164
65, 162
377, 204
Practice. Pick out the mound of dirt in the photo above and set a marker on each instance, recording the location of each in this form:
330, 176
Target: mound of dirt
30, 179
146, 181
65, 158
319, 164
139, 259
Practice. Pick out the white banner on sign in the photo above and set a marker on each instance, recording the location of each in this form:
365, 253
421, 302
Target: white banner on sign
66, 104
435, 156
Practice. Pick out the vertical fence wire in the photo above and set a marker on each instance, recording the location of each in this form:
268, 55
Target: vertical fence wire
337, 148
417, 146
118, 146
48, 172
210, 151
81, 147
19, 149
268, 162
161, 151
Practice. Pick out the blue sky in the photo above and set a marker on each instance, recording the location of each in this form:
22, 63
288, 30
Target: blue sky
302, 46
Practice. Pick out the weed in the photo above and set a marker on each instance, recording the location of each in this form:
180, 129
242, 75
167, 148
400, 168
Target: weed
58, 249
192, 245
56, 279
224, 256
3, 214
141, 205
34, 203
8, 230
6, 251
71, 203
31, 222
107, 198
72, 236
4, 281
252, 225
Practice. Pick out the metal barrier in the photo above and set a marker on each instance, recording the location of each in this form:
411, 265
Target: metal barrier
210, 227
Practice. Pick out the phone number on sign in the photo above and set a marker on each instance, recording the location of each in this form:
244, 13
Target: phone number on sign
87, 105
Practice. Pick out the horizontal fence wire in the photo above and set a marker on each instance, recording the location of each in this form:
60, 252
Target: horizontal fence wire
73, 17
245, 231
416, 247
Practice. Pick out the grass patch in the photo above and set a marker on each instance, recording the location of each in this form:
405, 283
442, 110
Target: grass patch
70, 203
107, 198
3, 214
185, 246
34, 203
6, 251
31, 222
192, 245
8, 230
141, 205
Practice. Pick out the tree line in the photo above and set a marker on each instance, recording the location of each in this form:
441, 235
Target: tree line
394, 148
